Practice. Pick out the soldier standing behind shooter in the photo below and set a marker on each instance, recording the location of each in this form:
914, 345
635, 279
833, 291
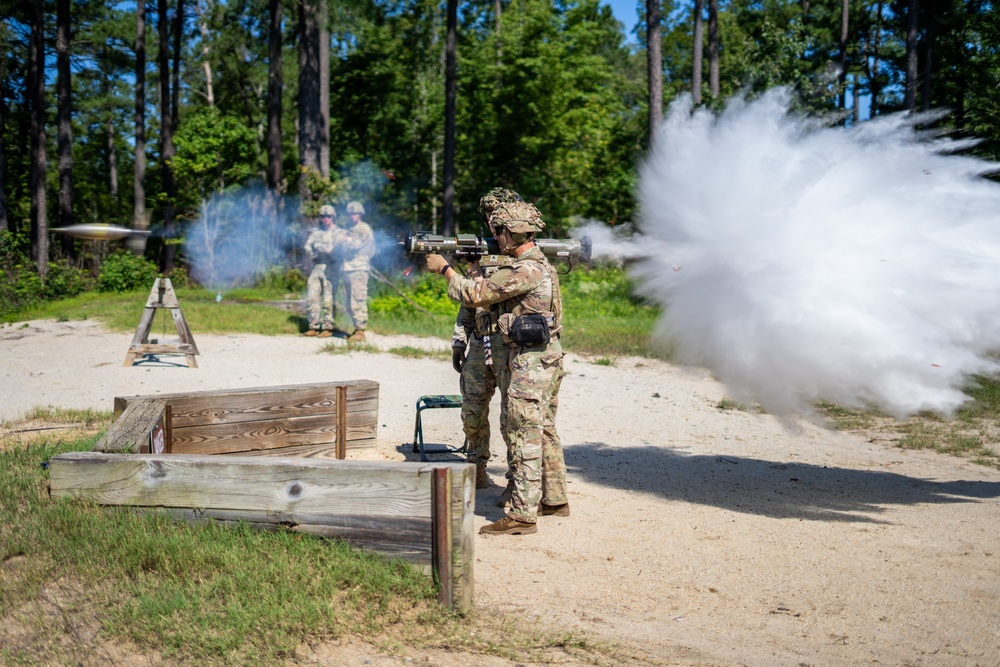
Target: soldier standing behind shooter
480, 355
321, 288
357, 250
530, 306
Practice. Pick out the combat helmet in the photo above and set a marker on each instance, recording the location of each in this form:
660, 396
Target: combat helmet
326, 209
492, 199
355, 207
519, 217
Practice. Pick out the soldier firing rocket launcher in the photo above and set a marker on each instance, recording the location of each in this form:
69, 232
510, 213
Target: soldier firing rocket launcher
471, 247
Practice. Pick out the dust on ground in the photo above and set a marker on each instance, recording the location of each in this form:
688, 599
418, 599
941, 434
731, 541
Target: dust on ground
699, 535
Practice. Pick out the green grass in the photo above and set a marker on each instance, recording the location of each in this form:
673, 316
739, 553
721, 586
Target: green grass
972, 434
121, 312
410, 352
211, 595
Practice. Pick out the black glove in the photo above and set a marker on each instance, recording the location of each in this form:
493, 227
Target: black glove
457, 357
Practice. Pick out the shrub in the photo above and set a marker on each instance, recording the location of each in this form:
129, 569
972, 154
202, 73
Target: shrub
20, 285
281, 278
125, 272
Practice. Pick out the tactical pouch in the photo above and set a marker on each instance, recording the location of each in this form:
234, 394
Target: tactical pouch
532, 329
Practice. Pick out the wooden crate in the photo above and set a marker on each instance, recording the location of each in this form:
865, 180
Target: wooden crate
323, 419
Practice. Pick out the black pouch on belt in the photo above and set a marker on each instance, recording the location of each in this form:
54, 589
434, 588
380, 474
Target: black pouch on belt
532, 329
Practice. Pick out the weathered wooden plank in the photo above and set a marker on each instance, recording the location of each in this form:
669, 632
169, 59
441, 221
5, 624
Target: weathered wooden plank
463, 499
323, 450
253, 403
441, 532
253, 436
131, 432
276, 485
384, 507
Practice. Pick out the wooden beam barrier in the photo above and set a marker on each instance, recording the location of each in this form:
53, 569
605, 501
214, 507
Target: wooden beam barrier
420, 512
325, 419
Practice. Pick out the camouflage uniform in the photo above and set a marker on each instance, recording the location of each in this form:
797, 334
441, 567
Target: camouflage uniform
479, 380
357, 250
529, 285
321, 247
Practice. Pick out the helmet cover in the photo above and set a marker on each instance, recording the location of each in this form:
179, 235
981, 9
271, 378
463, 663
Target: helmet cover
517, 217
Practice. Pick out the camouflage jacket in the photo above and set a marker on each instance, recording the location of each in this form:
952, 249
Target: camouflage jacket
528, 285
358, 247
322, 244
480, 321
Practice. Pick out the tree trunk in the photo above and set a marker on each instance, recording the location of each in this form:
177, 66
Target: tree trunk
309, 97
713, 48
497, 23
205, 64
5, 225
175, 95
845, 6
36, 178
697, 51
910, 96
65, 129
139, 190
874, 85
112, 160
928, 79
654, 68
274, 82
324, 89
166, 137
451, 50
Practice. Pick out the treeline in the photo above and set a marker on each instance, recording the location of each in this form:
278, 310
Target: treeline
141, 114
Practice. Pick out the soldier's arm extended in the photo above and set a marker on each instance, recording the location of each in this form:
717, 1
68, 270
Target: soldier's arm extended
505, 283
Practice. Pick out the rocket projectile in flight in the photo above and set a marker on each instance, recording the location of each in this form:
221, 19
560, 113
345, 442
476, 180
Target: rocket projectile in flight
100, 232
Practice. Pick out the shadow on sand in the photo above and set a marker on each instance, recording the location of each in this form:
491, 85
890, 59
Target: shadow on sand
755, 486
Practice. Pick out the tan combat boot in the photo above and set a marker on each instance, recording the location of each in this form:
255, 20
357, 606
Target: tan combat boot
325, 333
509, 526
553, 510
357, 336
482, 479
311, 332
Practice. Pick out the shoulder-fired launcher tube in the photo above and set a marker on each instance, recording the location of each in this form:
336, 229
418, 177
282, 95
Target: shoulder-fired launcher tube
472, 246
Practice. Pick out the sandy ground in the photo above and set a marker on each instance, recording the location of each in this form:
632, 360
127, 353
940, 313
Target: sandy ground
698, 535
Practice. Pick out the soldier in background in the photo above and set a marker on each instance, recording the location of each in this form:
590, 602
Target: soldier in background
357, 250
321, 287
530, 320
480, 355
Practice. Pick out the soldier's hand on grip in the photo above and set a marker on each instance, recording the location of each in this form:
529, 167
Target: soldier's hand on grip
436, 263
457, 358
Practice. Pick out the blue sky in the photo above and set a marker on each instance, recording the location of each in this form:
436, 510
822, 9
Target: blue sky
624, 11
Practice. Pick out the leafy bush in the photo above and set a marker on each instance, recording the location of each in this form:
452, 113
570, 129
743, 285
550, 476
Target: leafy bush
281, 278
125, 272
430, 292
20, 285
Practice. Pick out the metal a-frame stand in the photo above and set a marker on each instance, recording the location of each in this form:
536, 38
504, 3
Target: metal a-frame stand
162, 296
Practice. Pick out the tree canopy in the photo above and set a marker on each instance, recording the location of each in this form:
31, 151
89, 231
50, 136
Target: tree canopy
551, 97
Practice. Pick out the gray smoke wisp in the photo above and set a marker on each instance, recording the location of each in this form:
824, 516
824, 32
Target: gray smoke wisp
802, 262
237, 236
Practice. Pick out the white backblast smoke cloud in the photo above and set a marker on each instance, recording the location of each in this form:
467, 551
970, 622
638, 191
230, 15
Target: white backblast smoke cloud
801, 262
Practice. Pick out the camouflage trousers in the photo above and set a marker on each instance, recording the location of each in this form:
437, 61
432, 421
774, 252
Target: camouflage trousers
320, 290
356, 286
538, 468
478, 383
